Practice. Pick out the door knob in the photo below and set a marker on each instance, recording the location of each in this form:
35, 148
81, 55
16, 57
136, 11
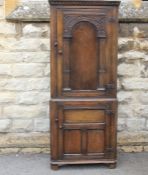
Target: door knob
60, 51
60, 126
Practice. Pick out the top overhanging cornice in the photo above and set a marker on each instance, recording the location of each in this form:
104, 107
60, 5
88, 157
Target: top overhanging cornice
84, 2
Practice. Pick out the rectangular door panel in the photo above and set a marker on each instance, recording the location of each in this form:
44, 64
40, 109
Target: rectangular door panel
95, 143
72, 142
84, 116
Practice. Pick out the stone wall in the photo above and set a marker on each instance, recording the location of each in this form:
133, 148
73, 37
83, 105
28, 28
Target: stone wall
25, 90
133, 87
24, 86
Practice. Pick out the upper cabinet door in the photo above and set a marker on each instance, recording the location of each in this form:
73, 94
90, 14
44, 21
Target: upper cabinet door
85, 52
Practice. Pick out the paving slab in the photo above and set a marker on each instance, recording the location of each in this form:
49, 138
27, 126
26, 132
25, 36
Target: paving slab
39, 164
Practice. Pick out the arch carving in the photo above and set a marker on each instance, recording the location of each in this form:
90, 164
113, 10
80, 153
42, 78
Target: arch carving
98, 21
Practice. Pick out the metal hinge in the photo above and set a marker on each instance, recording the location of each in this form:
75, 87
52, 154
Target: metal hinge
109, 112
109, 87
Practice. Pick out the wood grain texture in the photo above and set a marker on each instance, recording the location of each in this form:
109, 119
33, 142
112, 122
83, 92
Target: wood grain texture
83, 107
95, 141
72, 142
84, 139
84, 2
84, 54
81, 116
83, 57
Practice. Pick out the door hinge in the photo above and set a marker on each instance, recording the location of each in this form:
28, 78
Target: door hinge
109, 87
109, 112
56, 120
55, 44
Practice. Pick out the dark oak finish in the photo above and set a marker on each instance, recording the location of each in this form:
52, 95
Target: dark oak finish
83, 138
83, 45
83, 82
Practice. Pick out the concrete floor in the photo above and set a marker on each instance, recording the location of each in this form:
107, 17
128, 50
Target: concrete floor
128, 164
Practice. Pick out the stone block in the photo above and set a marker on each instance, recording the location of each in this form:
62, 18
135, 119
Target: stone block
32, 44
5, 70
143, 111
7, 44
135, 29
125, 44
7, 28
124, 30
8, 151
20, 57
118, 84
36, 57
125, 96
144, 71
23, 112
146, 124
121, 124
1, 109
124, 111
132, 138
24, 84
131, 149
143, 97
24, 44
35, 150
11, 57
47, 70
41, 125
27, 70
24, 140
131, 109
7, 97
133, 55
145, 148
4, 125
28, 98
136, 124
129, 70
1, 12
37, 11
144, 44
135, 83
21, 125
142, 28
35, 30
137, 33
1, 2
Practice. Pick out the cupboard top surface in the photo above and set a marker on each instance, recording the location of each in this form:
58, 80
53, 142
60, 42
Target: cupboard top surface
84, 2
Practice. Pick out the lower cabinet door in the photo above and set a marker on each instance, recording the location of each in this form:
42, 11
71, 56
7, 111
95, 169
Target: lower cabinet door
83, 130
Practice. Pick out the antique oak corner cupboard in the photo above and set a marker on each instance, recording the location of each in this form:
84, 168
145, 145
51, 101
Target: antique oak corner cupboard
83, 81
